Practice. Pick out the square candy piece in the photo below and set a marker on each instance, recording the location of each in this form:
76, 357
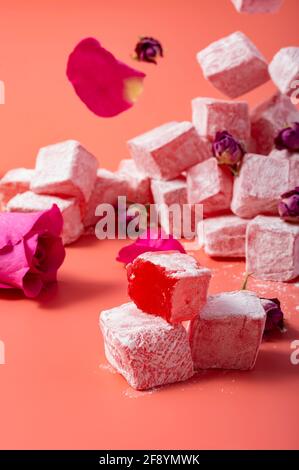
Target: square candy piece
65, 169
225, 236
269, 118
145, 349
272, 249
172, 285
261, 181
171, 202
228, 332
139, 185
293, 160
284, 70
108, 187
166, 151
257, 6
210, 115
31, 202
233, 65
210, 184
14, 182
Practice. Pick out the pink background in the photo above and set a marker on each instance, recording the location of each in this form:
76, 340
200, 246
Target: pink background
55, 390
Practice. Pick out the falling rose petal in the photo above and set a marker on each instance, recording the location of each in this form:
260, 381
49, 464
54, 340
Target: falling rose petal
104, 84
151, 240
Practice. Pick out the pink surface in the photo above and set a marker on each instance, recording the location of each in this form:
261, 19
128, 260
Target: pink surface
56, 388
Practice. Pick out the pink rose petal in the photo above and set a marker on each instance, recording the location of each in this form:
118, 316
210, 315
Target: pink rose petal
106, 86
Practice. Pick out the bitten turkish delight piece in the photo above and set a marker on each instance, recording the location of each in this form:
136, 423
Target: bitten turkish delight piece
139, 185
210, 184
145, 349
228, 332
269, 118
166, 151
65, 169
272, 249
233, 65
172, 285
261, 181
225, 236
107, 188
284, 70
14, 182
31, 202
257, 6
171, 202
210, 116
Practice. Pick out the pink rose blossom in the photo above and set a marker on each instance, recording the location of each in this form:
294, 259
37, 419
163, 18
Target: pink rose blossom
106, 86
152, 239
31, 249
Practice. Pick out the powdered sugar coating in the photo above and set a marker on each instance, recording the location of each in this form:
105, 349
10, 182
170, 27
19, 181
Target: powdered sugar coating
225, 236
231, 304
284, 69
257, 6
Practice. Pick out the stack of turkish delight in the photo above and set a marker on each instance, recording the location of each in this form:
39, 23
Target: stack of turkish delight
172, 328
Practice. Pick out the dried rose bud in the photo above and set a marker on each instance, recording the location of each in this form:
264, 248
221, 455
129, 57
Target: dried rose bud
288, 207
148, 49
274, 313
288, 138
226, 149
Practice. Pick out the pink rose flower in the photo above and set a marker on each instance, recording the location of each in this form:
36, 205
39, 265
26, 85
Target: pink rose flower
152, 239
104, 84
31, 249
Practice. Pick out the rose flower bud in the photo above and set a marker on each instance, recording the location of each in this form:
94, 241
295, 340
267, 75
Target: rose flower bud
226, 149
148, 49
288, 207
288, 138
274, 319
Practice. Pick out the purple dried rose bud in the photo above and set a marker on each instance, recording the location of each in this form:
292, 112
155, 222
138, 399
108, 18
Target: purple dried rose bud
288, 138
147, 50
274, 313
288, 207
226, 149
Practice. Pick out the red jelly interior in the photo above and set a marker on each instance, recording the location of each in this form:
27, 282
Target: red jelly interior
150, 288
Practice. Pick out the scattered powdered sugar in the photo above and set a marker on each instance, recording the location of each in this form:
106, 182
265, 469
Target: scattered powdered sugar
131, 393
107, 368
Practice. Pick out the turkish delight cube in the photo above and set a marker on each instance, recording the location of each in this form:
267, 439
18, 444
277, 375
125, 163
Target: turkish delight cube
65, 169
261, 182
145, 349
284, 70
269, 118
171, 284
272, 249
210, 115
139, 185
228, 331
233, 65
31, 202
210, 184
14, 182
166, 151
257, 6
225, 236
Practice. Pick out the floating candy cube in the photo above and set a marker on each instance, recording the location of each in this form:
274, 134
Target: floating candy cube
107, 188
269, 118
210, 184
31, 202
139, 185
261, 181
233, 65
172, 285
65, 169
225, 236
257, 6
211, 115
144, 348
170, 198
228, 332
284, 70
272, 249
166, 151
14, 182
